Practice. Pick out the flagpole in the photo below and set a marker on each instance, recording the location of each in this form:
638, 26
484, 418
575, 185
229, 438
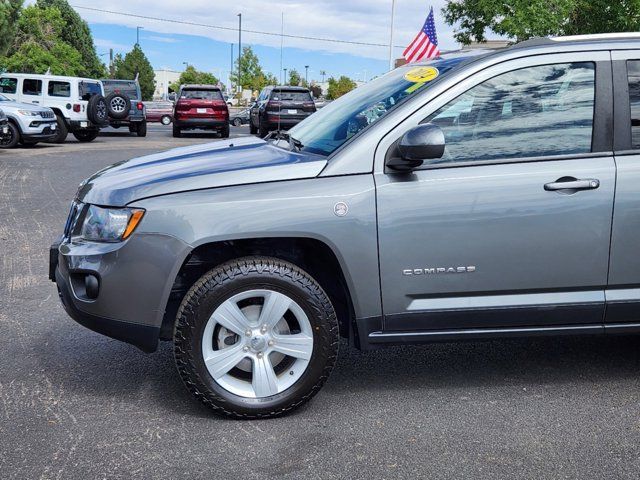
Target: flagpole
393, 11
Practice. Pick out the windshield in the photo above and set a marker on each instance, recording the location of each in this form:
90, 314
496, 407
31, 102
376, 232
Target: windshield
329, 128
128, 88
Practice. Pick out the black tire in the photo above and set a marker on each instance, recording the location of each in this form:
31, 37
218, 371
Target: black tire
61, 130
133, 128
30, 143
12, 139
263, 131
224, 133
177, 133
97, 110
237, 122
86, 135
118, 105
142, 129
229, 279
252, 130
165, 120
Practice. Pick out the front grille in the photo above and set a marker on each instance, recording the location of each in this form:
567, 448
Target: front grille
47, 114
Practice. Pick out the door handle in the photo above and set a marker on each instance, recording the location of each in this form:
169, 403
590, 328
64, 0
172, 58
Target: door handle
572, 185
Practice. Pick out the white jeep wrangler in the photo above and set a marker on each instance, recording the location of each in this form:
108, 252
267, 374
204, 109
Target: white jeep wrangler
78, 103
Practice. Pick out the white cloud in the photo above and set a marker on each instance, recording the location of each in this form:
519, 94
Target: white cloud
158, 38
354, 20
104, 44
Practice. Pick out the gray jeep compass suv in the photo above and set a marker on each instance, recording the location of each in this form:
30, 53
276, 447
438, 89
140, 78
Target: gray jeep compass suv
480, 195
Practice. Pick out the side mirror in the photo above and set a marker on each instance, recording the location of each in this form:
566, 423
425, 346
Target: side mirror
422, 142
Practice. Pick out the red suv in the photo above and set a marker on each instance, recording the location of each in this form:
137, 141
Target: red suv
203, 107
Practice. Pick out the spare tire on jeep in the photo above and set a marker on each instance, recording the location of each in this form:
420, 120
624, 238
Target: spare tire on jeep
118, 105
97, 111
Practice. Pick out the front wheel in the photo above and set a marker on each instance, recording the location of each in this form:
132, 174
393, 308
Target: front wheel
12, 138
165, 120
237, 122
255, 337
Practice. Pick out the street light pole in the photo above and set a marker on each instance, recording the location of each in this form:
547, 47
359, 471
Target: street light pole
231, 69
285, 76
239, 83
306, 74
393, 11
138, 34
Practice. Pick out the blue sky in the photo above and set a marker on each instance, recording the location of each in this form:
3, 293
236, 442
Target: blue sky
169, 51
207, 48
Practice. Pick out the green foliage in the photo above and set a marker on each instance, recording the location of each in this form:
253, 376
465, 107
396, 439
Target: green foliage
9, 13
136, 63
522, 19
339, 87
191, 75
294, 78
77, 34
316, 91
251, 74
37, 46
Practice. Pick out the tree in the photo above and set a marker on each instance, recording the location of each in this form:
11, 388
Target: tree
251, 74
9, 14
522, 19
294, 78
339, 87
77, 34
191, 75
136, 63
37, 46
316, 90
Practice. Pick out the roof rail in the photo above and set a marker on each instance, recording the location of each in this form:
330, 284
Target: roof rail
539, 41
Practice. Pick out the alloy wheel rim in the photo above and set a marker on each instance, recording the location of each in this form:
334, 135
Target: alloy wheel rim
257, 343
118, 104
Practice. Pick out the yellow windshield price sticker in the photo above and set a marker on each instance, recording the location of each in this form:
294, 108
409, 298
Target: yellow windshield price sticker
421, 74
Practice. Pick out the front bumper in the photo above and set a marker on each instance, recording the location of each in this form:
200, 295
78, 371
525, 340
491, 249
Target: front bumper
134, 277
46, 133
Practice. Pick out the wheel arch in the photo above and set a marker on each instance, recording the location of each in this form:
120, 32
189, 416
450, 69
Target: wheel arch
312, 255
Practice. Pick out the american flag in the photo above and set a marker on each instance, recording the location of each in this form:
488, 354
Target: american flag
425, 45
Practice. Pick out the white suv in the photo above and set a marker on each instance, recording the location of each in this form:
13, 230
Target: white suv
27, 124
78, 103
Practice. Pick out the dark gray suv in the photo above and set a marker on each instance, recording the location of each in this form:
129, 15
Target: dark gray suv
480, 195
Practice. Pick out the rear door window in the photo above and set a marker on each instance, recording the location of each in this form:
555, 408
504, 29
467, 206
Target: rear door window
633, 74
31, 86
201, 94
8, 85
59, 89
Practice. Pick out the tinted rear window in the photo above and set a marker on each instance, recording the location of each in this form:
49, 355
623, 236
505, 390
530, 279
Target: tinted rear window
130, 89
290, 96
201, 94
87, 89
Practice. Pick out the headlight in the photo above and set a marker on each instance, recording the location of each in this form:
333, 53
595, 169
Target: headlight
110, 224
29, 113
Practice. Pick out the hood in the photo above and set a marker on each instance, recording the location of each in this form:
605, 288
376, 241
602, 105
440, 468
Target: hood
11, 105
218, 164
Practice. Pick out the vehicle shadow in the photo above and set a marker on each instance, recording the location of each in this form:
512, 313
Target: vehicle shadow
102, 367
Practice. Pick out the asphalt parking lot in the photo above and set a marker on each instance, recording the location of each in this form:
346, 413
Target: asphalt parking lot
77, 405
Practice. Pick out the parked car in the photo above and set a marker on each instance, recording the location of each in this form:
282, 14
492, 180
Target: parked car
239, 118
476, 196
125, 106
4, 127
26, 124
201, 107
280, 108
159, 112
78, 103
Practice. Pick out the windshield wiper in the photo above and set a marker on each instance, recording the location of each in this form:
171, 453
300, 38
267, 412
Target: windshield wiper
295, 143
